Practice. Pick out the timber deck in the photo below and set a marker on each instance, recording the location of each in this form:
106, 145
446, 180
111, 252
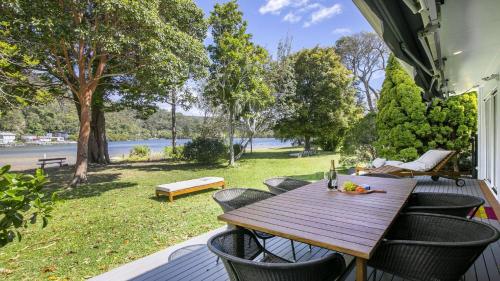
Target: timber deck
201, 264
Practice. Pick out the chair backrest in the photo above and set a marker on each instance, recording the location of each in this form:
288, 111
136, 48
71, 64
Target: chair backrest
241, 266
432, 247
283, 184
453, 204
236, 243
233, 198
443, 162
432, 160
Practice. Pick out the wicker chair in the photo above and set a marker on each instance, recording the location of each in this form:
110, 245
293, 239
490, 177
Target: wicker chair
429, 247
381, 175
234, 198
283, 184
444, 203
184, 251
246, 260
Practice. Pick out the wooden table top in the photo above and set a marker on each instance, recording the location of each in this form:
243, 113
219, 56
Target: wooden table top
347, 223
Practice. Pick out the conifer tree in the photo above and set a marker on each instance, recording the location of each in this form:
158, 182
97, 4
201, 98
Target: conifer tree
401, 123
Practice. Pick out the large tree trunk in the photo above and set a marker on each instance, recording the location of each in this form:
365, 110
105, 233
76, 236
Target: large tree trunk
80, 175
174, 126
98, 143
231, 136
251, 143
307, 143
369, 100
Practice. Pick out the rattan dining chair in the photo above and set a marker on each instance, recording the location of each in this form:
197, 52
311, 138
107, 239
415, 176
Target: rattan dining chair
233, 198
452, 204
429, 247
283, 184
249, 261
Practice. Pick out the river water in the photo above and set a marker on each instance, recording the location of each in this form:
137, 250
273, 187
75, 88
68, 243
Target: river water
25, 157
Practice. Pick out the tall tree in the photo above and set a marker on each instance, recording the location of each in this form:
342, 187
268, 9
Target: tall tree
238, 67
282, 78
81, 42
365, 54
183, 97
401, 122
323, 103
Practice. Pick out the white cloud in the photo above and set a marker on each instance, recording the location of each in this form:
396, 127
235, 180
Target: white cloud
292, 18
323, 13
275, 6
310, 7
342, 30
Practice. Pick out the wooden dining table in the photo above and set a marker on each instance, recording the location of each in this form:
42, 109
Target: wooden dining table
352, 224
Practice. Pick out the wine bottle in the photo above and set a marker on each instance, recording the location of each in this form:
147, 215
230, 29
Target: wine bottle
332, 177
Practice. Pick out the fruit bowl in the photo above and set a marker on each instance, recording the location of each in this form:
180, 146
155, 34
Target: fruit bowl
352, 188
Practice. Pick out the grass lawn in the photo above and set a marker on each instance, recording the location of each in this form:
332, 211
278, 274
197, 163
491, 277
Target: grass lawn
116, 218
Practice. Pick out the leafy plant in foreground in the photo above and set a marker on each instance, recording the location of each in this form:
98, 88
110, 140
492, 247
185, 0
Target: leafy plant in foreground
21, 203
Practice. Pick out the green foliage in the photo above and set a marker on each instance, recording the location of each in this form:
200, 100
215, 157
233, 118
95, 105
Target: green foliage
15, 87
169, 152
204, 150
402, 126
140, 151
237, 81
21, 203
358, 144
323, 105
237, 148
453, 122
122, 125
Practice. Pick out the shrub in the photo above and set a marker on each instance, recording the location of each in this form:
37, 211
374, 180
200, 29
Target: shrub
358, 144
237, 148
169, 153
21, 203
401, 122
204, 150
140, 151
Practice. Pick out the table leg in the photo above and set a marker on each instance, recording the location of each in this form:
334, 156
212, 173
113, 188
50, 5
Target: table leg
360, 269
238, 242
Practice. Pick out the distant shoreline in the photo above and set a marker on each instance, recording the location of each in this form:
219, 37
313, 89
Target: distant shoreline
26, 157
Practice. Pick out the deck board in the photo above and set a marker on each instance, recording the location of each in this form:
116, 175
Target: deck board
201, 264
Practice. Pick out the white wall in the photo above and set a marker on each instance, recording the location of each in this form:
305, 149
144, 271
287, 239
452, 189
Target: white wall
486, 151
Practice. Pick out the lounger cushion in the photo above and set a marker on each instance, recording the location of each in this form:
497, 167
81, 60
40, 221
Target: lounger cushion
427, 161
393, 163
378, 162
175, 186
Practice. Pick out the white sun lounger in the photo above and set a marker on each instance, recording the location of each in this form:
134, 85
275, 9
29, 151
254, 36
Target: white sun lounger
184, 187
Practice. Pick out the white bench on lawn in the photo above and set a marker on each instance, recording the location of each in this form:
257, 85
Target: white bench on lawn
184, 187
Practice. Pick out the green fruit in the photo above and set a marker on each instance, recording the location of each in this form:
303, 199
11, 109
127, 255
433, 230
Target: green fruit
349, 186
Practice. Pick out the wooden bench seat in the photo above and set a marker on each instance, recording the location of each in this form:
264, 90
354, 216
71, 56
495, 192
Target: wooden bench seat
61, 161
189, 186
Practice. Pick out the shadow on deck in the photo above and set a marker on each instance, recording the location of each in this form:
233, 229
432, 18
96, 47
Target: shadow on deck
201, 264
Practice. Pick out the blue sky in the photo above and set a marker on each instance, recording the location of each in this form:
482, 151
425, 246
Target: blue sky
308, 22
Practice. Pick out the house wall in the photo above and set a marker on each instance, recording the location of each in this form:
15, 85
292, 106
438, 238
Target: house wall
6, 139
489, 134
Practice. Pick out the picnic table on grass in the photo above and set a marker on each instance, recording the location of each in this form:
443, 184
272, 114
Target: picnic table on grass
347, 223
